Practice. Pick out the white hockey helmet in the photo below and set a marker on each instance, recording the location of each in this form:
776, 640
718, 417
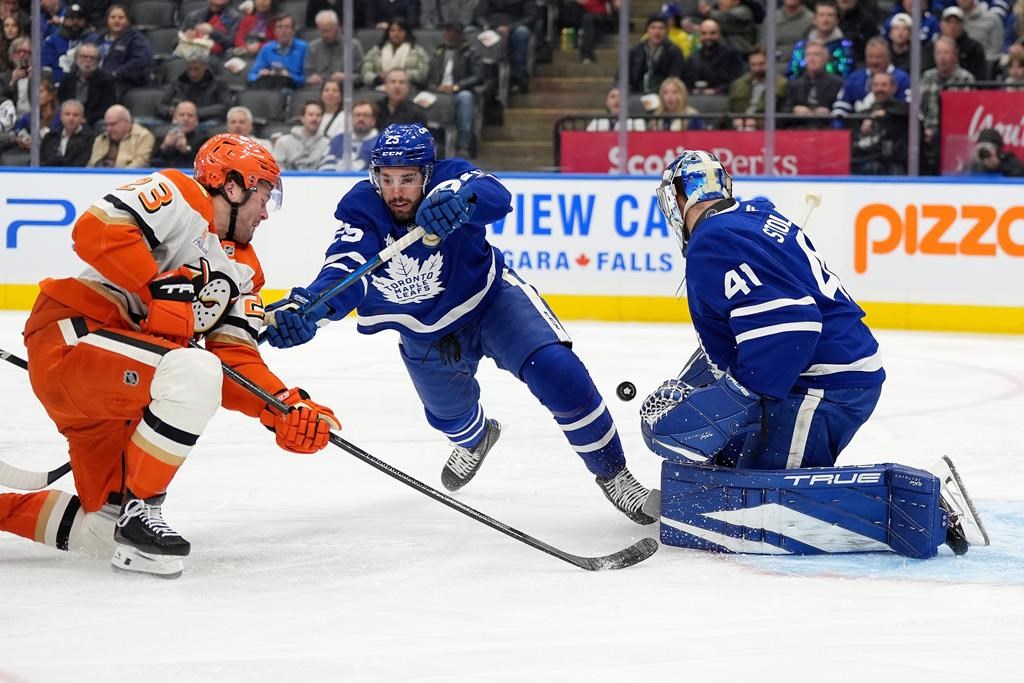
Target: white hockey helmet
697, 176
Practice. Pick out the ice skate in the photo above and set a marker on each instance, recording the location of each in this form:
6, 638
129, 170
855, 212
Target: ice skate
463, 463
145, 543
965, 527
631, 497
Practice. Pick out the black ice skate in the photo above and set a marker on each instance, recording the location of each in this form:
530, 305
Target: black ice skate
145, 543
463, 463
965, 527
631, 497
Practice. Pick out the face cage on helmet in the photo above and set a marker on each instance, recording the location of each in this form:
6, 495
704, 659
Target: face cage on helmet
666, 194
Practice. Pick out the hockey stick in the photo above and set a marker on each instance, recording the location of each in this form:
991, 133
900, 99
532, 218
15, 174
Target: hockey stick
15, 477
385, 254
638, 552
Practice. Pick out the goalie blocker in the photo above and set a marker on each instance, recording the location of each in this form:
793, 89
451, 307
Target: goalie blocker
812, 511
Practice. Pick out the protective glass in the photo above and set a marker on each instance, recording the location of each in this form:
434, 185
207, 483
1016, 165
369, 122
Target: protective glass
276, 197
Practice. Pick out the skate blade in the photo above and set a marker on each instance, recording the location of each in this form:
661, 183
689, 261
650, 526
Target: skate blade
652, 505
132, 560
954, 495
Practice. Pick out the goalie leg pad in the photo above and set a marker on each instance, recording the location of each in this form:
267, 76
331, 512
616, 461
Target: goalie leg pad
802, 511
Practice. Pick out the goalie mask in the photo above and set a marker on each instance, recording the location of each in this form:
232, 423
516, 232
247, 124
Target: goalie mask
696, 176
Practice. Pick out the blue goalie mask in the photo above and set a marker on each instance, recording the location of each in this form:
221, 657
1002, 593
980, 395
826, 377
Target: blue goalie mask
403, 144
697, 176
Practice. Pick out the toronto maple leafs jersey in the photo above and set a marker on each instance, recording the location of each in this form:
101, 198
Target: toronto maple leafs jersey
766, 308
424, 291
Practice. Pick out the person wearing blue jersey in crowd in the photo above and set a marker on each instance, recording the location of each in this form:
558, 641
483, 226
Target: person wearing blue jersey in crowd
453, 301
785, 375
779, 335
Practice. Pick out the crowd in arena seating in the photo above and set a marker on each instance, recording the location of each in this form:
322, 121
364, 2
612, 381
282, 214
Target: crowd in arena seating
146, 82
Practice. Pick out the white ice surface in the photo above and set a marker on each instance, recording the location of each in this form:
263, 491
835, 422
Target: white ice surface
320, 568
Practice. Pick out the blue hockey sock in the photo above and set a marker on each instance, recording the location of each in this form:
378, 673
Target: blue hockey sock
559, 380
466, 430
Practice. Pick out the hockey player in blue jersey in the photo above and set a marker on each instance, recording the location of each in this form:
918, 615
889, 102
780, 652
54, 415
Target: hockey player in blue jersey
453, 301
785, 375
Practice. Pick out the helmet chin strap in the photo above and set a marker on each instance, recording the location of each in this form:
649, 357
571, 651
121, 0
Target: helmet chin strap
235, 206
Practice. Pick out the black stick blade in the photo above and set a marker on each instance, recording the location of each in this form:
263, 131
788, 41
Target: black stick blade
627, 557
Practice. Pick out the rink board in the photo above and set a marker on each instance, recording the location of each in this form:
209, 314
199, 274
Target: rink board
943, 254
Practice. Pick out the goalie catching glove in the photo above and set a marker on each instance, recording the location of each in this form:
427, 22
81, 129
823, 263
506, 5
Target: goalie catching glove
695, 423
306, 428
169, 296
444, 210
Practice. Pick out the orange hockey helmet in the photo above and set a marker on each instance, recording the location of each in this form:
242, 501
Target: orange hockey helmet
235, 157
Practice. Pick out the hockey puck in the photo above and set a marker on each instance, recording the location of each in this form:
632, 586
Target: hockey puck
626, 391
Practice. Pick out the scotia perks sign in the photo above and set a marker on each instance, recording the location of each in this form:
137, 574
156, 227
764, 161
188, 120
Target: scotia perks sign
967, 112
818, 152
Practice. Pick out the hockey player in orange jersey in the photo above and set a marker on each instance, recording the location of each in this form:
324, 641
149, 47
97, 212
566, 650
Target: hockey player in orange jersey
109, 357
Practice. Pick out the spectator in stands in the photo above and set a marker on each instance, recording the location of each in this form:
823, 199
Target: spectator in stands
325, 58
984, 26
49, 118
929, 23
87, 84
54, 54
591, 19
1014, 72
679, 33
654, 58
239, 122
612, 102
397, 49
124, 144
858, 90
303, 147
970, 53
455, 73
315, 7
395, 106
947, 72
792, 23
281, 62
256, 28
858, 24
747, 93
72, 146
182, 141
825, 29
880, 141
674, 103
198, 85
379, 13
11, 30
711, 69
361, 140
814, 92
437, 13
735, 23
8, 115
514, 21
51, 14
125, 54
901, 28
16, 81
333, 116
217, 21
990, 158
10, 8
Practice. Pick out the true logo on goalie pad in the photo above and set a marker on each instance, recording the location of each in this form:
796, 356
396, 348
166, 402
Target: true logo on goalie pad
835, 479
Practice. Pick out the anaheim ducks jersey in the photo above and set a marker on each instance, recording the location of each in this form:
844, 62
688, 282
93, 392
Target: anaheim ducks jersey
160, 223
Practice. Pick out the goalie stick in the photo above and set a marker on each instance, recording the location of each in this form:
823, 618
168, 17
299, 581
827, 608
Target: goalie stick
15, 477
627, 557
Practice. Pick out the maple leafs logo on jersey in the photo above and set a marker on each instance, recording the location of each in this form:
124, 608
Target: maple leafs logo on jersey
410, 281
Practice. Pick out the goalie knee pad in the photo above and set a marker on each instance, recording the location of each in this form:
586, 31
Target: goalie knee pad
802, 511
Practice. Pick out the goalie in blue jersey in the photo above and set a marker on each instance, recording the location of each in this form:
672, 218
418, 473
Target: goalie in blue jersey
785, 375
453, 302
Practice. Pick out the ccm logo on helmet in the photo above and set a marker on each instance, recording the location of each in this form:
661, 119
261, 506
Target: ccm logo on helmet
833, 479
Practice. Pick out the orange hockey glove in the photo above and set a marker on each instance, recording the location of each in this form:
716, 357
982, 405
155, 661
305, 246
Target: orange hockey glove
169, 299
303, 429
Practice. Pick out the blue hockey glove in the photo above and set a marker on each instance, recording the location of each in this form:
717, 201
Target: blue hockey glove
704, 420
443, 211
290, 321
